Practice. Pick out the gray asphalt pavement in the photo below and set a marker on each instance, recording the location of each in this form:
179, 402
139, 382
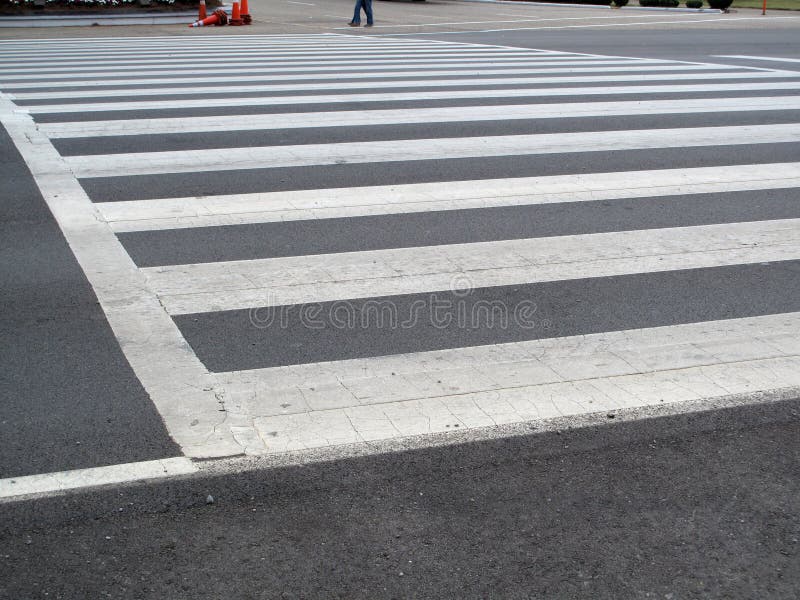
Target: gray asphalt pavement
698, 42
701, 506
69, 397
358, 234
228, 340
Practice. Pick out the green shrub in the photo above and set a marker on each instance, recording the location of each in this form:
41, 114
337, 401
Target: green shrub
661, 3
694, 3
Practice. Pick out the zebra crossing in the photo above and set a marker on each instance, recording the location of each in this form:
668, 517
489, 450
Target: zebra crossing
309, 240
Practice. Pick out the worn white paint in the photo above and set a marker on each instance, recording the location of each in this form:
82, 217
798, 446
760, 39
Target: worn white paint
209, 287
660, 74
171, 213
404, 96
354, 118
13, 488
194, 161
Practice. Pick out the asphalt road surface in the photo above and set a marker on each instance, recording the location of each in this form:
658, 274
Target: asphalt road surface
489, 303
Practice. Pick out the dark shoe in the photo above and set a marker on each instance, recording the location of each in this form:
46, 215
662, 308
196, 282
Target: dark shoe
354, 24
368, 25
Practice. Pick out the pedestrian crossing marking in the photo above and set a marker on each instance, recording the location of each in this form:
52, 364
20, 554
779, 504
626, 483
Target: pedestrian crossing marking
422, 83
406, 96
266, 207
191, 161
218, 286
411, 115
53, 85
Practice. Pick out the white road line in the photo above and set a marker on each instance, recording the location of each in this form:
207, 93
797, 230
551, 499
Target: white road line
211, 287
279, 66
68, 73
404, 83
244, 53
169, 213
90, 79
382, 380
89, 52
409, 115
769, 58
263, 157
568, 358
319, 404
169, 371
698, 388
48, 483
189, 103
253, 58
101, 88
177, 42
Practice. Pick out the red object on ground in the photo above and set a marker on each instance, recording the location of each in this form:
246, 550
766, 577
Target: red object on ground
219, 17
202, 12
236, 17
246, 18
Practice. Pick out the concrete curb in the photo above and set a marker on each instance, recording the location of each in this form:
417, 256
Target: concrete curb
90, 19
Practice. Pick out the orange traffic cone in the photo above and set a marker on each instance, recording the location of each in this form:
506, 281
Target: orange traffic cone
246, 18
236, 17
202, 13
218, 17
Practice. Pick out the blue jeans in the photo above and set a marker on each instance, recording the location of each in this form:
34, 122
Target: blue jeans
367, 5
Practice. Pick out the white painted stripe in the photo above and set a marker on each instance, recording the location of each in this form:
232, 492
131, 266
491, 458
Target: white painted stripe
692, 389
70, 74
384, 380
188, 69
263, 157
170, 213
92, 52
89, 79
200, 56
457, 57
248, 40
769, 58
244, 55
100, 87
568, 358
403, 83
134, 41
317, 55
350, 43
405, 96
210, 287
419, 115
169, 371
75, 53
48, 483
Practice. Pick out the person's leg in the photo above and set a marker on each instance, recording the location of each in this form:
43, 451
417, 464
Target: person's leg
368, 10
357, 14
